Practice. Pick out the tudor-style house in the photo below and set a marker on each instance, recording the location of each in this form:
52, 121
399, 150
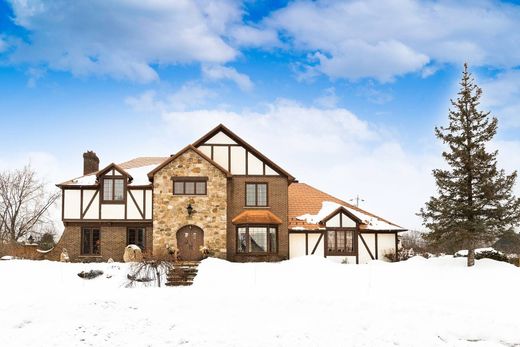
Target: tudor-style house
219, 193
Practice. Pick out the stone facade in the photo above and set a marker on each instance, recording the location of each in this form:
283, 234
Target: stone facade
170, 213
278, 203
112, 238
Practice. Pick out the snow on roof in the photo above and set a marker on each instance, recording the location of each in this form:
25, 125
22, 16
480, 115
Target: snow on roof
138, 168
328, 207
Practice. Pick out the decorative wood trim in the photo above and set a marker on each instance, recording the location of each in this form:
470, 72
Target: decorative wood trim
144, 203
396, 247
317, 243
306, 243
62, 204
366, 246
189, 178
83, 213
376, 251
81, 204
256, 195
244, 144
136, 205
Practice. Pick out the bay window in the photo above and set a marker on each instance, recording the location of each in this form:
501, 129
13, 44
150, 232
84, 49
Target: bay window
257, 239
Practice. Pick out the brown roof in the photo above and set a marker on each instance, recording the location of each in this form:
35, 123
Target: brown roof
141, 161
257, 217
127, 165
304, 199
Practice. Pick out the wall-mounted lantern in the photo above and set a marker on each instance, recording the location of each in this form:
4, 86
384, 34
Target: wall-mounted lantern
190, 210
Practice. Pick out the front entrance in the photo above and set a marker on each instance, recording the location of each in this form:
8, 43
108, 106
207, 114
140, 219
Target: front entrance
190, 239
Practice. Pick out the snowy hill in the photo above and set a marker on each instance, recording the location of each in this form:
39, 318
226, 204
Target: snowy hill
302, 302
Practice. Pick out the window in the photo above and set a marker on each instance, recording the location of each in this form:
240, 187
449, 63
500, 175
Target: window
90, 241
190, 186
340, 242
256, 239
256, 194
135, 236
113, 189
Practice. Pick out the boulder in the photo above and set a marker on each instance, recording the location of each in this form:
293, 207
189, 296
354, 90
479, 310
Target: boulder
64, 256
90, 274
132, 254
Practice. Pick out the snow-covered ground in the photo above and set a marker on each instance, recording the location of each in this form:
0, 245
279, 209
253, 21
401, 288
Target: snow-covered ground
302, 302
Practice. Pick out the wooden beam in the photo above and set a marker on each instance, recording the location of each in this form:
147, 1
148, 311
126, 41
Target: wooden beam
317, 243
366, 246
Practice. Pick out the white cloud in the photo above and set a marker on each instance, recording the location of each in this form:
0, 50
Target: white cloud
387, 38
219, 72
329, 99
501, 95
330, 148
123, 39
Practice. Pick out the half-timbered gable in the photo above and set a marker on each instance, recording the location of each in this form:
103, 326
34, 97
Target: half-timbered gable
236, 155
321, 224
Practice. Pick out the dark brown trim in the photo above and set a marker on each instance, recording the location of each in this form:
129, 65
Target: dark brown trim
339, 210
247, 162
317, 243
376, 244
396, 248
102, 199
292, 231
81, 204
105, 220
247, 226
136, 204
97, 223
182, 151
366, 246
306, 243
190, 178
336, 253
117, 168
83, 213
144, 235
229, 158
244, 144
62, 204
82, 239
194, 187
256, 194
144, 203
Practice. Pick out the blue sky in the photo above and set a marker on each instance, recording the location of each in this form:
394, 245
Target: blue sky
344, 95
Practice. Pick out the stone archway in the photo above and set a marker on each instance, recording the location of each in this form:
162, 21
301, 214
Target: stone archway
189, 240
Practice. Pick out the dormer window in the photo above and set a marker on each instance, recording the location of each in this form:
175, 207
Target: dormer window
113, 190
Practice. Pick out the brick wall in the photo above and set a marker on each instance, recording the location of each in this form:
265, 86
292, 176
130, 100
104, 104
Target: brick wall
113, 242
278, 200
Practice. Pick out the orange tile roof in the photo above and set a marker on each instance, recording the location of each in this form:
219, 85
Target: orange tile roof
257, 217
304, 199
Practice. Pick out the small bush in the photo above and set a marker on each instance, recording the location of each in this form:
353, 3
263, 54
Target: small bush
489, 254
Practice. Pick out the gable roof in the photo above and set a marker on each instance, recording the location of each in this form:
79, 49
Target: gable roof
115, 167
240, 141
136, 168
345, 211
309, 206
182, 151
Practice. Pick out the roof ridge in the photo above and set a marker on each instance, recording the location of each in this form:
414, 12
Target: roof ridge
349, 205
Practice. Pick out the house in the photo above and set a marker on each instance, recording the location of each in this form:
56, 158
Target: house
219, 193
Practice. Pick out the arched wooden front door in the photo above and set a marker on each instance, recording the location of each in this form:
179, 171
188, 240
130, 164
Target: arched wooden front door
189, 240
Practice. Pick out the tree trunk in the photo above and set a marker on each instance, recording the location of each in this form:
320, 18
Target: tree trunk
471, 257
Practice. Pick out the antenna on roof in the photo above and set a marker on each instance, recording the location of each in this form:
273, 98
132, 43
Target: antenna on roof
357, 199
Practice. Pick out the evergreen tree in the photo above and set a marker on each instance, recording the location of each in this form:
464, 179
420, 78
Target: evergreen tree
475, 203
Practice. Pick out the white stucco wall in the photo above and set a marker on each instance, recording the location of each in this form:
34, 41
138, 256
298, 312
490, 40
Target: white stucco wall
71, 201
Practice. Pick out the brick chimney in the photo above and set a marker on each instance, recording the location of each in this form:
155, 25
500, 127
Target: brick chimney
90, 162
